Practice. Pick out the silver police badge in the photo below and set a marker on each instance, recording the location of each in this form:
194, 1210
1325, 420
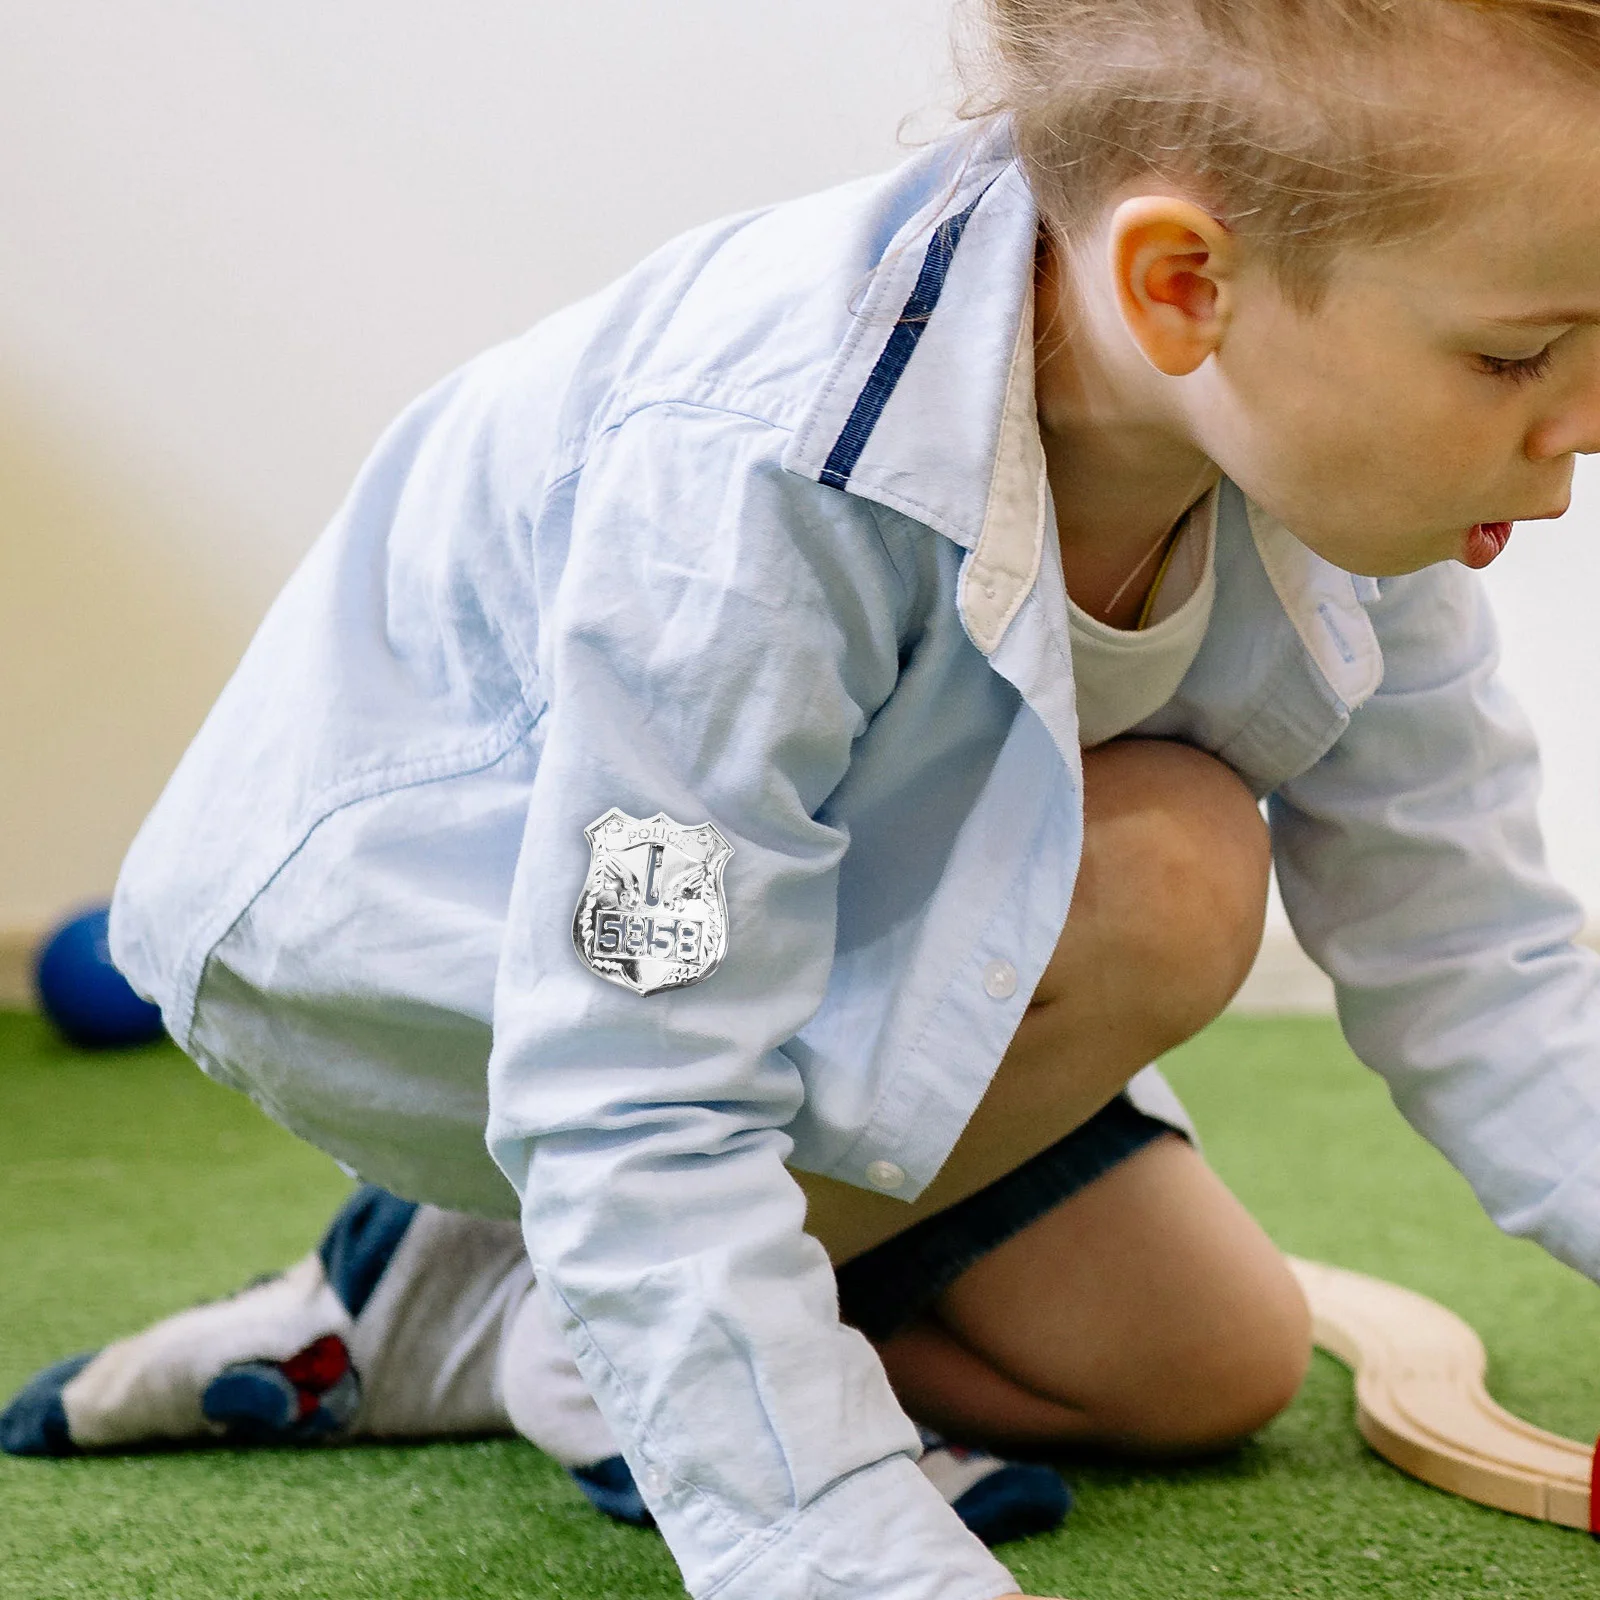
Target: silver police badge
652, 914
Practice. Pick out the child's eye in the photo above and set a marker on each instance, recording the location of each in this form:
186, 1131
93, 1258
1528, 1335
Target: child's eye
1522, 370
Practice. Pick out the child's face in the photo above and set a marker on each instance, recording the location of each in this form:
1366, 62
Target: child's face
1378, 431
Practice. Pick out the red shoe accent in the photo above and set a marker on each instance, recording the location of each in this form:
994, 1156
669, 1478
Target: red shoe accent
318, 1367
1594, 1493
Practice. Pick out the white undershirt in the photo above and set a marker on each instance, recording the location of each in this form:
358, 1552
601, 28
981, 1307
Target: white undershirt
1125, 674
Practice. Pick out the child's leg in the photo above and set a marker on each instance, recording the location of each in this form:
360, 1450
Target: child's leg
1148, 1314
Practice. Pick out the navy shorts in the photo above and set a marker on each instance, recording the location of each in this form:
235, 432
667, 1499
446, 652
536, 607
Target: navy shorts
890, 1285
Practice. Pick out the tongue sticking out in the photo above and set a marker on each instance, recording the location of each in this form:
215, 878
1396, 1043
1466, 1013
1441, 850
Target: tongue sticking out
1485, 542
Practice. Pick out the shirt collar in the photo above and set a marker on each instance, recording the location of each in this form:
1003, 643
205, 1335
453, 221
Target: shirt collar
928, 407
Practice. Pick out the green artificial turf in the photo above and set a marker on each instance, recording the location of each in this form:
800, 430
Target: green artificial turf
130, 1186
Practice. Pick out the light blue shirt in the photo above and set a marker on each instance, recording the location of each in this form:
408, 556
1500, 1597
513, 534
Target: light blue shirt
761, 535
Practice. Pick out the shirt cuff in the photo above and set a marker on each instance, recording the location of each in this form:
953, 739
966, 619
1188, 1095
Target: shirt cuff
883, 1533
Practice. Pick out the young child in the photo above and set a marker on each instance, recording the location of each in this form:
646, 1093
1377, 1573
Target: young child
778, 746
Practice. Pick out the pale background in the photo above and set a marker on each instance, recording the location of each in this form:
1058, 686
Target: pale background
237, 239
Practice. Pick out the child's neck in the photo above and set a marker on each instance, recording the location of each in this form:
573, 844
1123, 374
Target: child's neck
1120, 473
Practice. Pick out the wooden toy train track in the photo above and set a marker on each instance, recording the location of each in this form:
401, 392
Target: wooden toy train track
1421, 1402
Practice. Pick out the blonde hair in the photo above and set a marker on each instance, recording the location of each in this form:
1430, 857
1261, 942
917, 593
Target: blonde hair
1307, 127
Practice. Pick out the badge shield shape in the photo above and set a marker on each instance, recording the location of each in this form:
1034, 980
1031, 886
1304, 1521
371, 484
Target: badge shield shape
652, 914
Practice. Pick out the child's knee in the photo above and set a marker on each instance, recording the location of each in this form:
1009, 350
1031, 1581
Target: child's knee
1217, 1394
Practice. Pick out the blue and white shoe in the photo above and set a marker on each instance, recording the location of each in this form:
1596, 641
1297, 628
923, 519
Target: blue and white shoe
269, 1365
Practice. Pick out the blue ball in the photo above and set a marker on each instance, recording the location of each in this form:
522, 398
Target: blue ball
80, 991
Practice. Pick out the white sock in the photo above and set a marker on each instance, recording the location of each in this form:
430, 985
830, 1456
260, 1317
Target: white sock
543, 1392
424, 1347
148, 1387
427, 1344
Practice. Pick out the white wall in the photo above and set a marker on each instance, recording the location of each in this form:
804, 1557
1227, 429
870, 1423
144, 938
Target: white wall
1546, 590
237, 239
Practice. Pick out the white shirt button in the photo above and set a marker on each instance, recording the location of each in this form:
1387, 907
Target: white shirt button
999, 980
885, 1175
653, 1482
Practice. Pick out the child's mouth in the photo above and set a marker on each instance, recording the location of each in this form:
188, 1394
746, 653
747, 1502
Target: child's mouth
1484, 541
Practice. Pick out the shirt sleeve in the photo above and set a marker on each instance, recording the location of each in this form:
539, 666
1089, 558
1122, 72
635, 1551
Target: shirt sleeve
718, 635
1413, 872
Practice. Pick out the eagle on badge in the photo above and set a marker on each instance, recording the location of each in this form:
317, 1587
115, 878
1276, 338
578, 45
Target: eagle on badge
652, 914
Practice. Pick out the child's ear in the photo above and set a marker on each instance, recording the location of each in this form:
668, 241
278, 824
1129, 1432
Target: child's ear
1172, 267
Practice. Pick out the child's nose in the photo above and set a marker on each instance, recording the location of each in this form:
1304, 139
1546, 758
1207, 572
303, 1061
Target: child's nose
1574, 428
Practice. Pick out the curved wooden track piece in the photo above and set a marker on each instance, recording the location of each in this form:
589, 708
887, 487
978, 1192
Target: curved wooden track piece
1421, 1401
